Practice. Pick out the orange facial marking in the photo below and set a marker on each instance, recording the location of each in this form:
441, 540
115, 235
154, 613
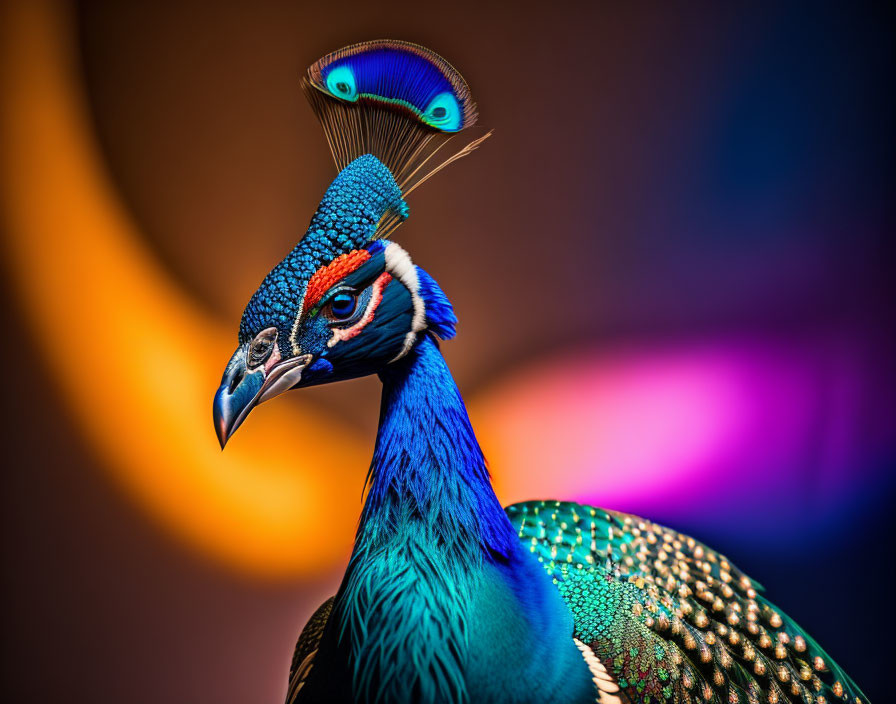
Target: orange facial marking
324, 278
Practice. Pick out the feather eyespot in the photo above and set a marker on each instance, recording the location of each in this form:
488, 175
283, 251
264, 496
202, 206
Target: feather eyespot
341, 83
443, 112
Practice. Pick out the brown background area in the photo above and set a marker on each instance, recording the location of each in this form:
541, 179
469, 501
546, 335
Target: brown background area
581, 220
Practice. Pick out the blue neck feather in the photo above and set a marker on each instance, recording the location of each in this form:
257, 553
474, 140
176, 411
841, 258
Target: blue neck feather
428, 473
430, 523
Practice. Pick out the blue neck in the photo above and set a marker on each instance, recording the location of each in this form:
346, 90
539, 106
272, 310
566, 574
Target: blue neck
428, 474
430, 525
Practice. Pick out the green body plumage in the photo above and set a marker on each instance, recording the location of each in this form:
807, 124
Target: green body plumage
671, 619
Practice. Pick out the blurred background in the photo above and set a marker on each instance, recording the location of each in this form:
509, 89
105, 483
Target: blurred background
669, 266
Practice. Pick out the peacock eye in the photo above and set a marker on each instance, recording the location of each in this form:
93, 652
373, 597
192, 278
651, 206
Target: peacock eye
342, 305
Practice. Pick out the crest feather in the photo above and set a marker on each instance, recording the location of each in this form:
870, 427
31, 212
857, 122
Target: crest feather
397, 100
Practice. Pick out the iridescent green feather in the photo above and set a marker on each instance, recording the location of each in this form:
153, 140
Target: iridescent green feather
671, 619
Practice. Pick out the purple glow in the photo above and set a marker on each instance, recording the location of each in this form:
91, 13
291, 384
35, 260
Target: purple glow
773, 432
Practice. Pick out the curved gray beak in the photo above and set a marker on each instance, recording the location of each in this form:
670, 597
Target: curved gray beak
242, 389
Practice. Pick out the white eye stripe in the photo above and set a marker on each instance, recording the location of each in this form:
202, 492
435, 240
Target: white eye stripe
399, 264
293, 343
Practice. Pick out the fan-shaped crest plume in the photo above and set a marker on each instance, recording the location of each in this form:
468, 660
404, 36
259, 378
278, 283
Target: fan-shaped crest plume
396, 100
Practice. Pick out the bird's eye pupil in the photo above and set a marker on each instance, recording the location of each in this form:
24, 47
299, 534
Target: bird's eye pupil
439, 112
342, 305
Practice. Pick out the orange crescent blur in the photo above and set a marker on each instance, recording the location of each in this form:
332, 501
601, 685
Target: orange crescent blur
122, 339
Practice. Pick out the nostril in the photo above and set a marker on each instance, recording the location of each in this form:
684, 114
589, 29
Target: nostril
235, 381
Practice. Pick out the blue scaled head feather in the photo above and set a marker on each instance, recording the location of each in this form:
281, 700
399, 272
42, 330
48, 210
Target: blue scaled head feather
347, 301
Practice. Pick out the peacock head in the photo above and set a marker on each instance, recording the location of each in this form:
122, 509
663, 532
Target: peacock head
347, 302
343, 304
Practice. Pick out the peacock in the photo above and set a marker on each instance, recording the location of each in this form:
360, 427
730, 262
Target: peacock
448, 597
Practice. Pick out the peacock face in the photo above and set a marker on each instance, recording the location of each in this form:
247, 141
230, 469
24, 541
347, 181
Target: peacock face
353, 315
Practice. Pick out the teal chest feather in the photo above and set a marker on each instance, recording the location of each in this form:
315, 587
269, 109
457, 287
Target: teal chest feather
418, 629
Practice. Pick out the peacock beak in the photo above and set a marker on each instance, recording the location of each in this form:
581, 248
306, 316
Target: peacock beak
242, 388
